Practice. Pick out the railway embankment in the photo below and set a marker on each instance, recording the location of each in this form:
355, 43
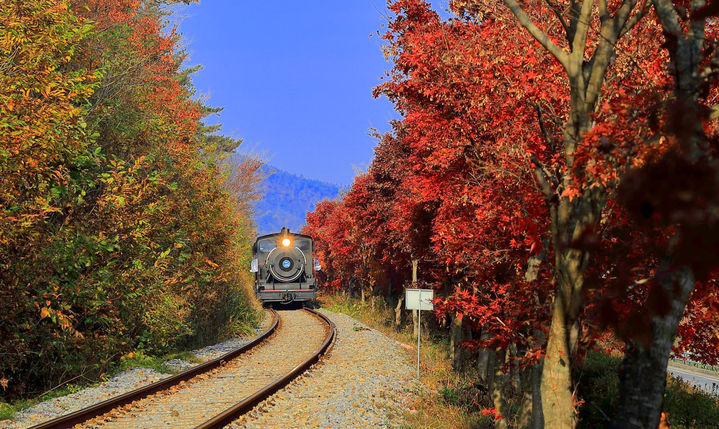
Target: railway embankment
122, 382
365, 380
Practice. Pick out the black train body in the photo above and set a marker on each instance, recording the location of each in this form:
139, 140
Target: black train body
284, 268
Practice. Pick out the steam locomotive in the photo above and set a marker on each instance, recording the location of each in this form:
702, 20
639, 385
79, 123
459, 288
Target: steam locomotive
284, 268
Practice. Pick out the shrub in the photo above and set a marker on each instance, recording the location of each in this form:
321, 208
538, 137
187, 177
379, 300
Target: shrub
599, 388
117, 229
688, 407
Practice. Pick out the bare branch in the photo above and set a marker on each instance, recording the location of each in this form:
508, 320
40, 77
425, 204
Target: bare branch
610, 32
579, 42
603, 12
558, 13
668, 16
543, 179
633, 20
546, 180
714, 112
542, 124
539, 35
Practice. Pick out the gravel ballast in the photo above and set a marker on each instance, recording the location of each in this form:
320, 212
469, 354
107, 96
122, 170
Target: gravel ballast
363, 382
199, 399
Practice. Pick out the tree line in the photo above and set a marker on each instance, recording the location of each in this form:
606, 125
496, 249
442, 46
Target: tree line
122, 227
554, 177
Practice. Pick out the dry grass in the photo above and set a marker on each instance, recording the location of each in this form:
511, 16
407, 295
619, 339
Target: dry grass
445, 398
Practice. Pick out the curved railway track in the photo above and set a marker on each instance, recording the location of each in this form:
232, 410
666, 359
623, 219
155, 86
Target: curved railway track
215, 393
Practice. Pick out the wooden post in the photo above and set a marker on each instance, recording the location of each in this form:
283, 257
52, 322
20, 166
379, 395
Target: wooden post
415, 263
398, 314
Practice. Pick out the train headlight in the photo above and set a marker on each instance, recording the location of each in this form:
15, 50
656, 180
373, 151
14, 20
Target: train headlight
286, 242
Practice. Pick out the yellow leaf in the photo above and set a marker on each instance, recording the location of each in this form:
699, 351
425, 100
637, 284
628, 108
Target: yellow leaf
44, 312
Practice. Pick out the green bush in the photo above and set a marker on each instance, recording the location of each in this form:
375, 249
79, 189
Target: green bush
599, 388
689, 408
118, 230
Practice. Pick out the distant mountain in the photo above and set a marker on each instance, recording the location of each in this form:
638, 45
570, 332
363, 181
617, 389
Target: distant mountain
287, 198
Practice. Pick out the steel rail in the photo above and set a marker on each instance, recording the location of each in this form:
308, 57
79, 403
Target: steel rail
85, 414
249, 402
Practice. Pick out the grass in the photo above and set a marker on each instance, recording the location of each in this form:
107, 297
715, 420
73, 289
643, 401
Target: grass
8, 411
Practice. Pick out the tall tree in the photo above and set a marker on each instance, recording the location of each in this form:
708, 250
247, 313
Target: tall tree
575, 208
676, 191
117, 230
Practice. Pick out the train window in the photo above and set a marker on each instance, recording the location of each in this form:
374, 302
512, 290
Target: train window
267, 245
303, 244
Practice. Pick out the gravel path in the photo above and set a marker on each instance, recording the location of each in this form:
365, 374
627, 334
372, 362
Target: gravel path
119, 384
361, 383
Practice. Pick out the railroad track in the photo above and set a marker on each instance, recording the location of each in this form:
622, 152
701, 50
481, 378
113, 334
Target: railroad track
215, 393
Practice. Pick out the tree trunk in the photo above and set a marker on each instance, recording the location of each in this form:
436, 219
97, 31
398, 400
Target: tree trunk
556, 387
458, 334
643, 373
537, 414
398, 313
643, 370
415, 264
570, 220
484, 360
526, 412
500, 382
362, 293
491, 362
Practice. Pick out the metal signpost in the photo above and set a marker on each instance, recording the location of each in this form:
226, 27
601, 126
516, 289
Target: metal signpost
418, 299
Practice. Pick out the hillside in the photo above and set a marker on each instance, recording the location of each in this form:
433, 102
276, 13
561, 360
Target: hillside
287, 198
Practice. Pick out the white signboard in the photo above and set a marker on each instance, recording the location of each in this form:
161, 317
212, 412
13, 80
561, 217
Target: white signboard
419, 299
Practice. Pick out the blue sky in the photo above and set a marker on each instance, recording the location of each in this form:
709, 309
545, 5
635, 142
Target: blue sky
295, 78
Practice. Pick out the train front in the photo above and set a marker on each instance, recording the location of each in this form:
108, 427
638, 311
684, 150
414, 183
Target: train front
283, 268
